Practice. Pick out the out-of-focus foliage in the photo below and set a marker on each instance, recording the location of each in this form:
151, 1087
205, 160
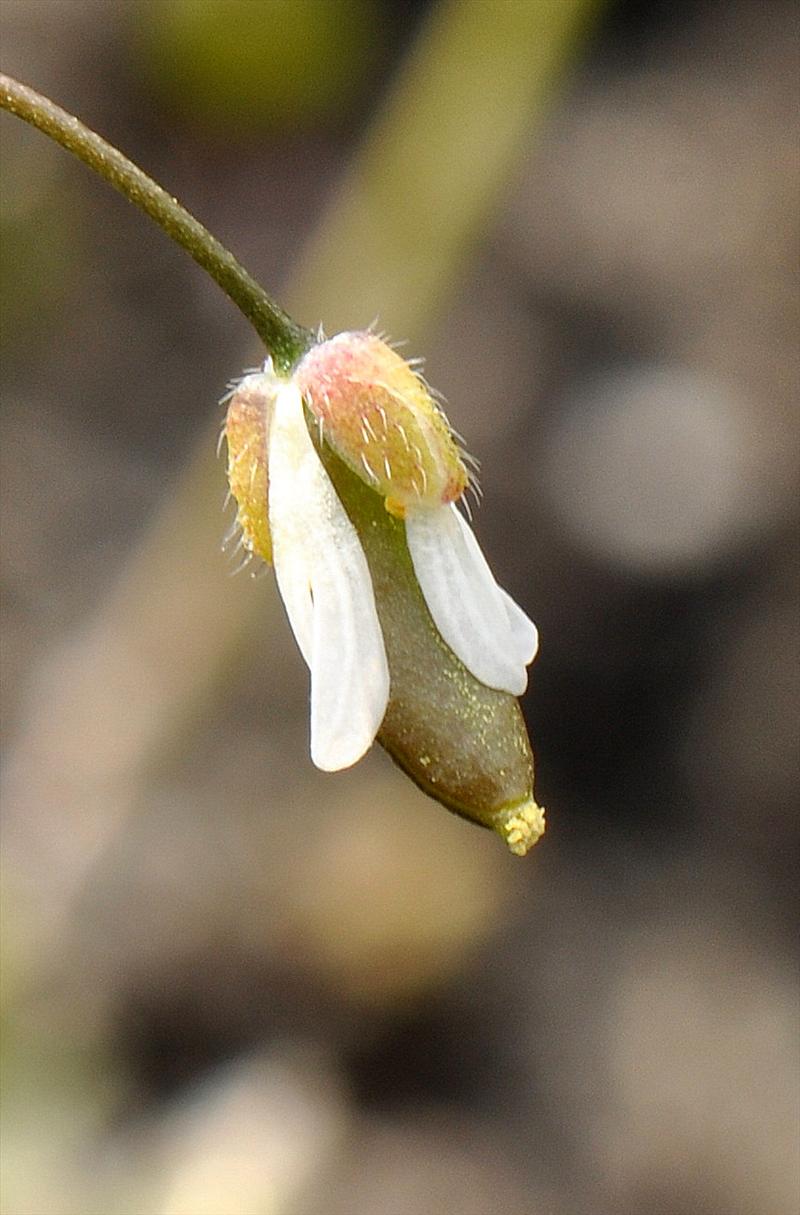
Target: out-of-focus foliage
240, 66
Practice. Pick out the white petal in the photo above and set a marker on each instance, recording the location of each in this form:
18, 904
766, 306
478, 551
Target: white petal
524, 632
327, 590
468, 607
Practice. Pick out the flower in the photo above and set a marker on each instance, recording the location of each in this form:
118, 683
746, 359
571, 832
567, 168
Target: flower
379, 417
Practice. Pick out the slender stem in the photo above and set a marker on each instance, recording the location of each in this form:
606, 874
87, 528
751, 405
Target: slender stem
284, 340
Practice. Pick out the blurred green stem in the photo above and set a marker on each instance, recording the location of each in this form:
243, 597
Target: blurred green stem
284, 340
475, 88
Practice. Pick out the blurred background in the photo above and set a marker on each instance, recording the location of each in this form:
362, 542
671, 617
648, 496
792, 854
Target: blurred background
235, 986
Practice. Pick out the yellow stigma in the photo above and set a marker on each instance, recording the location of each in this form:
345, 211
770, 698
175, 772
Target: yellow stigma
522, 826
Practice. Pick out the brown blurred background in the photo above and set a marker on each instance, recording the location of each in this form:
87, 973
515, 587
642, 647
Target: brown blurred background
233, 986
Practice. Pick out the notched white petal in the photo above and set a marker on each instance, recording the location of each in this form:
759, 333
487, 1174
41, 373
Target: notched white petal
326, 587
349, 672
524, 633
482, 625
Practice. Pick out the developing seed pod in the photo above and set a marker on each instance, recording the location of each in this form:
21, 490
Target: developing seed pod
463, 743
379, 416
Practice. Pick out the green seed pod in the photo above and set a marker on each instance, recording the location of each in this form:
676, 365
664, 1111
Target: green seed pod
463, 743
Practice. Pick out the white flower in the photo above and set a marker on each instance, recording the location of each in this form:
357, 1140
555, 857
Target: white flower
405, 450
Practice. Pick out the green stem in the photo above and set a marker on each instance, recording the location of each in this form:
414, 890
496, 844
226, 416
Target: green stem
284, 340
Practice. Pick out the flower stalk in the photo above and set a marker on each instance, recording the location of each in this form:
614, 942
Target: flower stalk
285, 340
